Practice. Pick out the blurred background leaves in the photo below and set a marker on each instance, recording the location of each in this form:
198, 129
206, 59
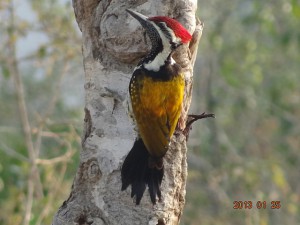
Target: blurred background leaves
247, 73
41, 95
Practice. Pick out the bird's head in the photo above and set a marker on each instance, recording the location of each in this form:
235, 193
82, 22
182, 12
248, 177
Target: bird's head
162, 28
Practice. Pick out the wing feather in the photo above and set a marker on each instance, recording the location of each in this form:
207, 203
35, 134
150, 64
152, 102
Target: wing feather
156, 106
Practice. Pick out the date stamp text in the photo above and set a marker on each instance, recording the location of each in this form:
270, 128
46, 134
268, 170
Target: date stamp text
257, 204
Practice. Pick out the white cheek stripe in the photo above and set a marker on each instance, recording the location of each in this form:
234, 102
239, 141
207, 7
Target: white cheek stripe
160, 59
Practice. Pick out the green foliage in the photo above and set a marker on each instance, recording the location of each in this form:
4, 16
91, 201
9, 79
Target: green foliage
249, 77
46, 69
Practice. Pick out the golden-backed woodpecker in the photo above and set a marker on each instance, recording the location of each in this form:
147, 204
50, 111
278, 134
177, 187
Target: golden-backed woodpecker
156, 93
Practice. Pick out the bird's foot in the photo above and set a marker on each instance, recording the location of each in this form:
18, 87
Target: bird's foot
193, 118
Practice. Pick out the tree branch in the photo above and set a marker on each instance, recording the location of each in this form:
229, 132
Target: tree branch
34, 177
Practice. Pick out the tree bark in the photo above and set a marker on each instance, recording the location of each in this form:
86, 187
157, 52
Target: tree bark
113, 43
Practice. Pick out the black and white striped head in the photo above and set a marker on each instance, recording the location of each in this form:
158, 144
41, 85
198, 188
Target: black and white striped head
165, 33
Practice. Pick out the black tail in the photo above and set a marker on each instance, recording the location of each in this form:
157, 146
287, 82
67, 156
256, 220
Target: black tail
137, 172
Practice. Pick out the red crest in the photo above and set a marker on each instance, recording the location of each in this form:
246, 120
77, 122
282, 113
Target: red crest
178, 29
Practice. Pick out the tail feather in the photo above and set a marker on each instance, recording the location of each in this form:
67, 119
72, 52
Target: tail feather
137, 173
154, 183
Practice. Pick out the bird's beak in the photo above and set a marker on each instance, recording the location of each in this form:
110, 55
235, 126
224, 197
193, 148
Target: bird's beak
143, 20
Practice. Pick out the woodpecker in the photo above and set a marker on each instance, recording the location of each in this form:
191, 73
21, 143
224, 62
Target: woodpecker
156, 92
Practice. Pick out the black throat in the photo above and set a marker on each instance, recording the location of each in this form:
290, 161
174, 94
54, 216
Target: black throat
166, 72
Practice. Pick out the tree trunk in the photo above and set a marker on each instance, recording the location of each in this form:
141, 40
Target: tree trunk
113, 43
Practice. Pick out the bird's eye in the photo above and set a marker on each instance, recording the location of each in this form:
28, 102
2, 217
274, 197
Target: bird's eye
162, 25
175, 45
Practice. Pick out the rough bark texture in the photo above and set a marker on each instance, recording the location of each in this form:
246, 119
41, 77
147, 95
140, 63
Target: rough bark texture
113, 43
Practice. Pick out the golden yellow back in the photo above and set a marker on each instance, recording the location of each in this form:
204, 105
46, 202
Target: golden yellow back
156, 105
